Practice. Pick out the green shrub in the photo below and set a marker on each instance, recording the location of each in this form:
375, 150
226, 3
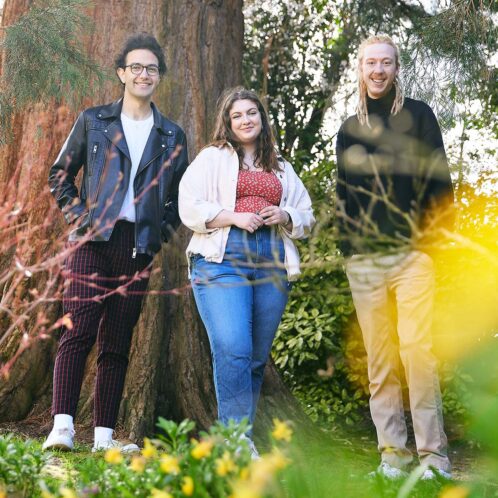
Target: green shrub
173, 465
20, 466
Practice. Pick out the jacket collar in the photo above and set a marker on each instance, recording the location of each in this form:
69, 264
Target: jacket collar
114, 111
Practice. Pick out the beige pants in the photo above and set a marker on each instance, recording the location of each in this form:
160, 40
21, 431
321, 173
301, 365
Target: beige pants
393, 296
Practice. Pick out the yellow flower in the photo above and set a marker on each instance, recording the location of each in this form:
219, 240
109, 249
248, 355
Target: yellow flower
149, 450
188, 486
158, 493
3, 493
261, 473
202, 449
113, 456
454, 492
277, 459
137, 464
281, 430
67, 493
244, 474
245, 490
169, 464
44, 494
225, 465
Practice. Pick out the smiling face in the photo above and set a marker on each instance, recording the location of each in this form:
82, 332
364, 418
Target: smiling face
139, 86
378, 69
245, 121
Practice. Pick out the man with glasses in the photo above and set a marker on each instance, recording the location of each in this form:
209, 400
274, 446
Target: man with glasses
126, 205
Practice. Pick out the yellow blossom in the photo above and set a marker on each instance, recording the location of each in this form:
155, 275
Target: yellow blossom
113, 456
281, 430
454, 492
3, 493
261, 472
244, 474
149, 450
169, 464
202, 449
158, 493
67, 493
245, 490
188, 486
277, 459
225, 465
137, 464
44, 494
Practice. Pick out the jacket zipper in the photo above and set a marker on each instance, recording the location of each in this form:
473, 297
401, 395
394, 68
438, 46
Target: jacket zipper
92, 159
94, 200
134, 252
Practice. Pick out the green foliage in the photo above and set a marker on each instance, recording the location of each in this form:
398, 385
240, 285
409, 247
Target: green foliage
453, 47
20, 466
318, 347
47, 40
173, 465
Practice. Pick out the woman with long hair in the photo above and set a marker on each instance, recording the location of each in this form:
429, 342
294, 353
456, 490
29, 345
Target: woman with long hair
244, 204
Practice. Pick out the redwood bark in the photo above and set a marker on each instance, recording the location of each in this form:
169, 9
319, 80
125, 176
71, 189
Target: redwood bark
170, 367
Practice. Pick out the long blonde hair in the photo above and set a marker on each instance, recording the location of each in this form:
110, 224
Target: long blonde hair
361, 108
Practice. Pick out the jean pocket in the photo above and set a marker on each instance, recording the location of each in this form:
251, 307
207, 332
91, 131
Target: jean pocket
194, 258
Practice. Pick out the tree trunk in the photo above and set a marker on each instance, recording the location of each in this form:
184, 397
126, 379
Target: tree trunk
170, 368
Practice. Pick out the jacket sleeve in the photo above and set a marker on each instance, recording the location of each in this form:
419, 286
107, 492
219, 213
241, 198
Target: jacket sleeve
438, 197
171, 219
194, 205
298, 206
63, 172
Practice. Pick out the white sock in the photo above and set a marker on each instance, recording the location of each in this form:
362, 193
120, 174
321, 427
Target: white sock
103, 434
63, 421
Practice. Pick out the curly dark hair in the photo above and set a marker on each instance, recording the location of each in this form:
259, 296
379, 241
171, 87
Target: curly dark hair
223, 136
141, 41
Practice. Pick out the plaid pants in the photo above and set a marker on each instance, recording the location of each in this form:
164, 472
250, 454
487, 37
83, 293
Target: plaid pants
98, 312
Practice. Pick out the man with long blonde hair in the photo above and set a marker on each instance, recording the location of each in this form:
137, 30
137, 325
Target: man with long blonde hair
394, 194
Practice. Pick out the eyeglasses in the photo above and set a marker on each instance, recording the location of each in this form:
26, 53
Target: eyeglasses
137, 68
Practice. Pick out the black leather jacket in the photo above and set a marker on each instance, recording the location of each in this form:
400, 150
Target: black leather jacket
97, 143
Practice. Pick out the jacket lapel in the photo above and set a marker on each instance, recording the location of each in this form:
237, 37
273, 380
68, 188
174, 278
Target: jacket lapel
155, 146
115, 134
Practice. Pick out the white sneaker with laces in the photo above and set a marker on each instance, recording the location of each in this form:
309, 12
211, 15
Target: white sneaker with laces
60, 439
389, 472
430, 474
112, 443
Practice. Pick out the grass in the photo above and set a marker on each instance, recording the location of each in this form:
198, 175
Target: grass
328, 465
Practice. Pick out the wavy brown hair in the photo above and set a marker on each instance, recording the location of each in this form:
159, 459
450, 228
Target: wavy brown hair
361, 108
223, 136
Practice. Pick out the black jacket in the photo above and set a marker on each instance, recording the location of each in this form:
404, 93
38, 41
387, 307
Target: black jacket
393, 184
97, 143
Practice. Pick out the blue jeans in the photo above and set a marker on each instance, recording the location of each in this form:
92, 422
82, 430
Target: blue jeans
241, 301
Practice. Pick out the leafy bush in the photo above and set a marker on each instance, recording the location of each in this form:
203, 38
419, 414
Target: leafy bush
20, 466
173, 465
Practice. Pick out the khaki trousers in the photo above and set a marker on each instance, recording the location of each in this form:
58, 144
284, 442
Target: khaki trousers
393, 296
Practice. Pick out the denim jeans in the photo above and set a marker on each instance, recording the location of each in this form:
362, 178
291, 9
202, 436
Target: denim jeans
241, 301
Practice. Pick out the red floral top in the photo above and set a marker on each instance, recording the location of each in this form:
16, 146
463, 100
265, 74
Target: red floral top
256, 190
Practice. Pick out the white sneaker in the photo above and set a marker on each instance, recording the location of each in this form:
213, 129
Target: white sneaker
430, 474
389, 472
112, 443
252, 447
59, 439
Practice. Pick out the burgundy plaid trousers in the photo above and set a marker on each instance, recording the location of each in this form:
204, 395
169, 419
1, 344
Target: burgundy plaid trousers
97, 313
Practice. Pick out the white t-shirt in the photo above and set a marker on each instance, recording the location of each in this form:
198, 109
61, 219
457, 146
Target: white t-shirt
136, 134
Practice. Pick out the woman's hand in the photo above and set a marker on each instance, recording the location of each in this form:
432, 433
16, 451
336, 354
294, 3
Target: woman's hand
248, 221
273, 215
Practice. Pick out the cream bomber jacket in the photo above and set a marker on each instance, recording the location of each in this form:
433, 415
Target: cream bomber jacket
209, 185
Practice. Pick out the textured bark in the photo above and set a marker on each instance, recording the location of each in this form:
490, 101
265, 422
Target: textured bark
170, 368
